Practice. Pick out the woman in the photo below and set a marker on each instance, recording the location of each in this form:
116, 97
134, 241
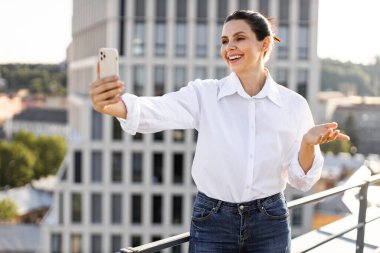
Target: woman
254, 136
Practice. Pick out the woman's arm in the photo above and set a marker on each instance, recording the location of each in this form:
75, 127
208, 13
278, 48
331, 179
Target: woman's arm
317, 135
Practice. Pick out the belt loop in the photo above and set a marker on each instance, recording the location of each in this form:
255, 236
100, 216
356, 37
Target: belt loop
217, 207
259, 204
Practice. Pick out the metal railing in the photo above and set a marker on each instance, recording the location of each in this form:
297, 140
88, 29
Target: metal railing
360, 226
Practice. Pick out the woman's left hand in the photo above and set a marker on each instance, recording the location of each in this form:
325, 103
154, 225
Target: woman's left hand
324, 133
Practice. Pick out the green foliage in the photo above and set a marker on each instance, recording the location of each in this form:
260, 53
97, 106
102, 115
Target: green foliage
38, 78
29, 157
49, 151
8, 210
343, 76
16, 163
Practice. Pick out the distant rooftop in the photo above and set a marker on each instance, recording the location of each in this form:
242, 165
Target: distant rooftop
58, 116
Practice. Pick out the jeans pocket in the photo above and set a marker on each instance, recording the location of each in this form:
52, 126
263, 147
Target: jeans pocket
275, 210
202, 213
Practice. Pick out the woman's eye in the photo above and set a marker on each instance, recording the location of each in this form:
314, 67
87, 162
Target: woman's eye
240, 38
224, 42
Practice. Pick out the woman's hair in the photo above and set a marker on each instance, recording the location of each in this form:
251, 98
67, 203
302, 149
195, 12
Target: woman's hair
259, 24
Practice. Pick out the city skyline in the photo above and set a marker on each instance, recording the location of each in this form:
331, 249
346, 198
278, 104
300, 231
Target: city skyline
47, 32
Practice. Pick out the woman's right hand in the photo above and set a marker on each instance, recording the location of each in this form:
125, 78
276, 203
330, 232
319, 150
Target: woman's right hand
105, 93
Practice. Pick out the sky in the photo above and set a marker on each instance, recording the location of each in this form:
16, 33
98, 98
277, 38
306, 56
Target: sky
39, 31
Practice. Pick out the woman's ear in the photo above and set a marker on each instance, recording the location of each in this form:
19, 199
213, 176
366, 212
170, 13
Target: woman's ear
266, 43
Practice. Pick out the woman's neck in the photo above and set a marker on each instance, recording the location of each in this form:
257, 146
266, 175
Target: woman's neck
253, 81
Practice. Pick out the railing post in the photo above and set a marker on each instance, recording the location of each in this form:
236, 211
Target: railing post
362, 217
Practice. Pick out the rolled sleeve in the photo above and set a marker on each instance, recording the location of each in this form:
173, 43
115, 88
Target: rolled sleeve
297, 176
130, 125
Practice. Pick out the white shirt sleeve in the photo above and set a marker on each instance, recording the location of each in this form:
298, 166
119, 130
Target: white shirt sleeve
175, 110
296, 176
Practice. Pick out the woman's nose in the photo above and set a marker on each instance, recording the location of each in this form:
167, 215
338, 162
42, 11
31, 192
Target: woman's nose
230, 46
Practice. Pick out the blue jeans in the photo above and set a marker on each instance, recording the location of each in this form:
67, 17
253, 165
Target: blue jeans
260, 226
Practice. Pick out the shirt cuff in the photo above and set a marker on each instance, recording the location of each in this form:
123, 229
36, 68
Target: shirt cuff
297, 176
131, 123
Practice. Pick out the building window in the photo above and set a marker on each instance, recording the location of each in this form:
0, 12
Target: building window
181, 28
136, 209
76, 243
96, 125
138, 80
181, 39
159, 80
264, 7
177, 249
96, 166
178, 135
157, 209
77, 167
221, 72
136, 240
138, 137
121, 26
243, 4
96, 243
56, 243
160, 38
117, 133
117, 206
61, 207
304, 10
201, 39
282, 76
116, 244
156, 238
219, 29
96, 208
179, 77
302, 77
138, 42
117, 167
303, 42
158, 160
159, 136
76, 207
177, 209
137, 167
283, 47
178, 168
200, 72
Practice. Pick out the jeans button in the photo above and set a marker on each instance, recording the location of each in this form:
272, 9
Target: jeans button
241, 207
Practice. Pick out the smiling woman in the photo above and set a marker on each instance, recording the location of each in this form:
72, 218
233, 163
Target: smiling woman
261, 134
36, 31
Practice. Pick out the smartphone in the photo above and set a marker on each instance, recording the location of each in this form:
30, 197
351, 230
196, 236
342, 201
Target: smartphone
108, 62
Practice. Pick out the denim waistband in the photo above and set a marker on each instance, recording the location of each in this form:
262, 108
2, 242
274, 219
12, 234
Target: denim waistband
250, 205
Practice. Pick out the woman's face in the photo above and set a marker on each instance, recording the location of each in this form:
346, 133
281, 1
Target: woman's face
240, 48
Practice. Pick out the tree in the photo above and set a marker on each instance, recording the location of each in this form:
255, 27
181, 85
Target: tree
336, 147
48, 150
16, 163
51, 151
8, 210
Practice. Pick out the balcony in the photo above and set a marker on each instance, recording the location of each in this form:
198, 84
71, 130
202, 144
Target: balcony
317, 240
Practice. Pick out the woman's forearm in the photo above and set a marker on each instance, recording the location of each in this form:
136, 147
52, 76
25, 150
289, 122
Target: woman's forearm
306, 156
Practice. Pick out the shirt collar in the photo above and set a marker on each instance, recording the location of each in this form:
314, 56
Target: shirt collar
232, 85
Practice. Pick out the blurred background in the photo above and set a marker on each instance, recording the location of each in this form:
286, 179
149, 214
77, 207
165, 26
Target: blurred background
72, 181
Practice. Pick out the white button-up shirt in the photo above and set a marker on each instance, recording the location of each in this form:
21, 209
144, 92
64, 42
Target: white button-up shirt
247, 146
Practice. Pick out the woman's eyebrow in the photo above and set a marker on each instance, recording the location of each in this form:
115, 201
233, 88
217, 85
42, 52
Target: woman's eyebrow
235, 34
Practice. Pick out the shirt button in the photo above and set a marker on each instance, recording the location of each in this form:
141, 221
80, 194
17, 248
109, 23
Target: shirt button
241, 207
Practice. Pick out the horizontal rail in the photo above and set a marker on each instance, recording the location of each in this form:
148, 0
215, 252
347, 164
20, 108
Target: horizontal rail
182, 238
